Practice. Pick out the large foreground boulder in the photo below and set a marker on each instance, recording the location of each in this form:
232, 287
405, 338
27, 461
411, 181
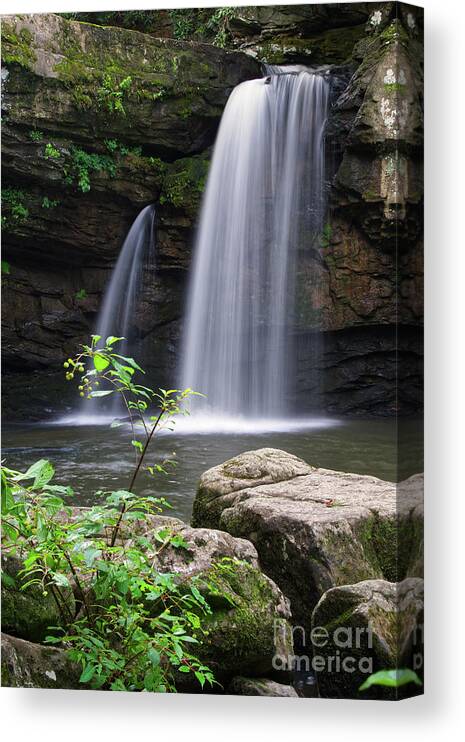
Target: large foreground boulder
28, 665
361, 629
314, 528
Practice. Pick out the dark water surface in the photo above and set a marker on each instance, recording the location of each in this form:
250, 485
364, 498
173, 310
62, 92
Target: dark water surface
90, 457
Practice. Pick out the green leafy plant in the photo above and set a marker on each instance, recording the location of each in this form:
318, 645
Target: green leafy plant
129, 625
116, 147
81, 164
49, 203
183, 22
219, 23
14, 209
81, 294
111, 94
391, 679
6, 268
51, 152
36, 136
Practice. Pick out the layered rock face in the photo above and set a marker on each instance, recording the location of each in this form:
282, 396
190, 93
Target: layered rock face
100, 121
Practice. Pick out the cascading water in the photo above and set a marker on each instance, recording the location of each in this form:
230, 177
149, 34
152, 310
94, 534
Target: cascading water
118, 311
264, 202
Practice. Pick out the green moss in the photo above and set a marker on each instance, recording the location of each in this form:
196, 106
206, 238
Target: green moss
241, 628
185, 183
394, 32
390, 544
348, 561
17, 47
26, 613
369, 195
394, 87
343, 619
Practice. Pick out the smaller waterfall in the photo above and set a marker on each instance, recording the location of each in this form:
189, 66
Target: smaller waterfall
119, 308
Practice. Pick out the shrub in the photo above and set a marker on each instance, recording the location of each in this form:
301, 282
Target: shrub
130, 626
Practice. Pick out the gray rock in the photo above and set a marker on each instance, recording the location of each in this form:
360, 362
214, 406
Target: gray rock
314, 528
260, 687
363, 628
249, 626
28, 665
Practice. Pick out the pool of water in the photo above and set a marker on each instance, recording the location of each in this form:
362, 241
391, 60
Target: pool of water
95, 457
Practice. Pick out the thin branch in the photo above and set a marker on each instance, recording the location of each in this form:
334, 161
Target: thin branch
134, 476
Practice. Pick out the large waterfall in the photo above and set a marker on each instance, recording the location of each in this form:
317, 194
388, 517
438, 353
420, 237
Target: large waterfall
263, 205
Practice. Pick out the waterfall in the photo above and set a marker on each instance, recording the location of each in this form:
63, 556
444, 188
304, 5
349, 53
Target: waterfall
118, 313
116, 316
264, 203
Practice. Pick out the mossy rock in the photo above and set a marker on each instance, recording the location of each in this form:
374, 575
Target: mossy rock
314, 528
27, 613
242, 635
333, 46
249, 622
184, 184
29, 665
363, 628
97, 81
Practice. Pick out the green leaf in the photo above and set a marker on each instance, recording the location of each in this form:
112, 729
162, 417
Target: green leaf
90, 555
101, 362
112, 339
130, 362
391, 679
5, 267
60, 580
154, 656
138, 445
101, 393
8, 580
41, 471
87, 674
53, 639
200, 677
7, 498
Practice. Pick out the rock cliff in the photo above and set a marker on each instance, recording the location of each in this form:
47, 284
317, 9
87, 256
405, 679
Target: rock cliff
101, 120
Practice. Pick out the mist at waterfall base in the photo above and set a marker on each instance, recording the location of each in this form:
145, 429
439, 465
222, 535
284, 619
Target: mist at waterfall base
264, 203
